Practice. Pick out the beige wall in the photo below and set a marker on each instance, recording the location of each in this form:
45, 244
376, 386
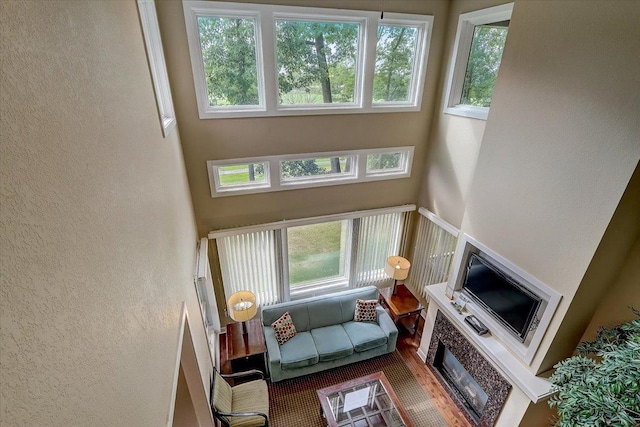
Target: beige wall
98, 233
624, 293
185, 413
561, 142
454, 141
215, 139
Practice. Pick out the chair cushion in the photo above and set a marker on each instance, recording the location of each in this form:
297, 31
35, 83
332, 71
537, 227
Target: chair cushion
284, 328
222, 394
365, 335
250, 397
298, 352
332, 342
366, 311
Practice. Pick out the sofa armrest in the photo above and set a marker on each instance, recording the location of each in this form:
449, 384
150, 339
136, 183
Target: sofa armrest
389, 328
273, 349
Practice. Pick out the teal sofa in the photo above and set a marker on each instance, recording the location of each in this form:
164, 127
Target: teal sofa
327, 335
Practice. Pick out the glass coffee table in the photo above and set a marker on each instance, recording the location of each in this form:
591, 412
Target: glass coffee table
364, 402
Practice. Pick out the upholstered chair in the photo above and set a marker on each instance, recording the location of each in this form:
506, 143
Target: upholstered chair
244, 405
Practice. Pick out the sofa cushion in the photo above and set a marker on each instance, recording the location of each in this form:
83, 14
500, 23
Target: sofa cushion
332, 342
365, 335
298, 352
325, 312
366, 311
284, 328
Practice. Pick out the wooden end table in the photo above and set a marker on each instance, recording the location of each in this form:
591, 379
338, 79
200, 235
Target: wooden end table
402, 305
249, 351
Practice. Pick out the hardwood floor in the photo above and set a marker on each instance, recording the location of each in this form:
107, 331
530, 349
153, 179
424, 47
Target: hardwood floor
407, 347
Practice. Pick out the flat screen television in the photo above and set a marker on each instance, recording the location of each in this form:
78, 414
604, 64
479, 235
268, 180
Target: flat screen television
502, 297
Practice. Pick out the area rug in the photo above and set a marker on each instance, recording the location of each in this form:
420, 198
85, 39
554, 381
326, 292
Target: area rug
294, 402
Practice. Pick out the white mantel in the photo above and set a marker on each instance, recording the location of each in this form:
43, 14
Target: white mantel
536, 388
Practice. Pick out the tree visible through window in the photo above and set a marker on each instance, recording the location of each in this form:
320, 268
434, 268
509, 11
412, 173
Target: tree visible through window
316, 61
229, 56
395, 57
484, 62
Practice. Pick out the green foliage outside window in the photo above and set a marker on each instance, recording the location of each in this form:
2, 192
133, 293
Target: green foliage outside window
229, 55
383, 161
484, 61
395, 55
316, 61
600, 385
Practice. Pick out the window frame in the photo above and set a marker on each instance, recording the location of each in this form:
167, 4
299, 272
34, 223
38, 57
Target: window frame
266, 57
157, 64
275, 182
461, 49
318, 287
326, 285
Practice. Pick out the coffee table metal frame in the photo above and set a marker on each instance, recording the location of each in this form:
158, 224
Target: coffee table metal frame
383, 405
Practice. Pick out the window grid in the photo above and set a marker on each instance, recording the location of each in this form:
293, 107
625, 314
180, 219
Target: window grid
266, 18
310, 174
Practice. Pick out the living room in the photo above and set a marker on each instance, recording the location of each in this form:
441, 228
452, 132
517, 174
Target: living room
101, 213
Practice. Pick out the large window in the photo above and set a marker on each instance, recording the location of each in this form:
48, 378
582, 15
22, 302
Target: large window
288, 172
478, 50
297, 258
317, 253
265, 60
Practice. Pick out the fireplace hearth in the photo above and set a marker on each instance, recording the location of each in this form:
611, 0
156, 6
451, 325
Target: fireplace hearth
475, 385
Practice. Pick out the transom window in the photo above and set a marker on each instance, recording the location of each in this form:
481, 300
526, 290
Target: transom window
480, 41
266, 60
288, 172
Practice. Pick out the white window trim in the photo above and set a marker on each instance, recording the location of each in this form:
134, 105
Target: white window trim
317, 287
265, 16
157, 64
273, 171
461, 49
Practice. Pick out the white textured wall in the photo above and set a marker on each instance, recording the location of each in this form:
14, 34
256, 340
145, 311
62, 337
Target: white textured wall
562, 140
98, 233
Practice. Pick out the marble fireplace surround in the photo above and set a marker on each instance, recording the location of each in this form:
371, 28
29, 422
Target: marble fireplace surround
494, 385
526, 386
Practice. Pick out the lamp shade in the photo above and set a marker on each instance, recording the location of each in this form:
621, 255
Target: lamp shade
397, 267
242, 306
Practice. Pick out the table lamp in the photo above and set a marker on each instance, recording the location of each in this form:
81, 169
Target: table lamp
397, 268
242, 307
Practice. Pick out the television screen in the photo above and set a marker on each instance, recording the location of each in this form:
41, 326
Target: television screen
508, 302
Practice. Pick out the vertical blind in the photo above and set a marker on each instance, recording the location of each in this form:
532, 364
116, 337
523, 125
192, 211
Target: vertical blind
248, 261
433, 252
251, 259
378, 237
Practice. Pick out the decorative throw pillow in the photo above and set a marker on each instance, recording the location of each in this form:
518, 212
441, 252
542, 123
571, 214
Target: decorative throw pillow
366, 310
284, 328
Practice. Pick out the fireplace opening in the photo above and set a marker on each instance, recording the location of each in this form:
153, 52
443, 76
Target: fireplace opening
463, 384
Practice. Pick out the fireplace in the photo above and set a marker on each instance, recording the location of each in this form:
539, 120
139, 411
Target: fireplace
474, 384
463, 384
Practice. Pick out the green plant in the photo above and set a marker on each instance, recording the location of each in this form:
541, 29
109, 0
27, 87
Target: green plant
600, 385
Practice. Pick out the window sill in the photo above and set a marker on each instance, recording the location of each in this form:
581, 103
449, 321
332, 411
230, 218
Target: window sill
480, 113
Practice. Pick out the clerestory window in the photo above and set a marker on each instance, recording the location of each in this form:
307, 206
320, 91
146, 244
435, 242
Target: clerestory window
265, 60
292, 171
480, 41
